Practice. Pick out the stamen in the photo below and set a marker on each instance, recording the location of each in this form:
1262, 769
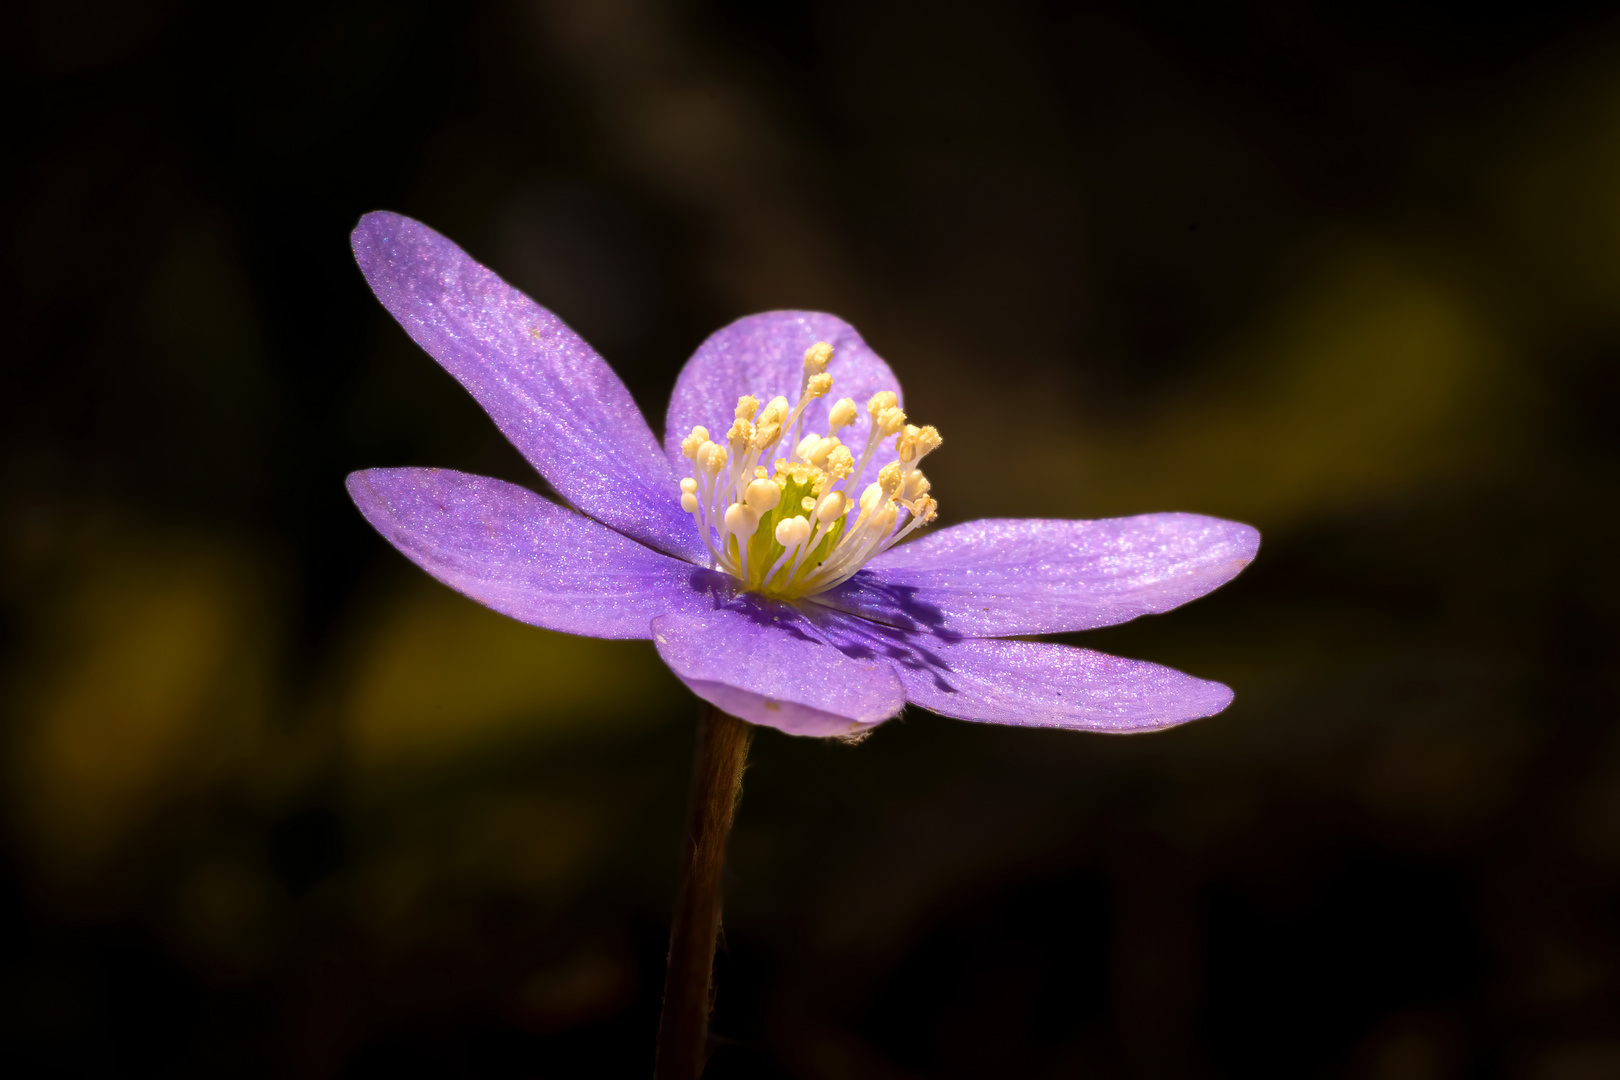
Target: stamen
916, 487
793, 531
890, 479
762, 496
842, 414
775, 412
906, 444
740, 519
798, 530
841, 462
834, 504
816, 358
890, 420
690, 444
766, 436
817, 450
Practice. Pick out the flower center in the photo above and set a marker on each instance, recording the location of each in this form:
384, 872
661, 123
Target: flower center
796, 530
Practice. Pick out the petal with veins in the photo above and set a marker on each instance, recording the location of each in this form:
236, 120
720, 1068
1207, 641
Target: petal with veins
545, 388
1003, 577
1029, 683
527, 557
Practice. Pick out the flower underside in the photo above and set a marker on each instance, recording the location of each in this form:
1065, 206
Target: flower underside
795, 529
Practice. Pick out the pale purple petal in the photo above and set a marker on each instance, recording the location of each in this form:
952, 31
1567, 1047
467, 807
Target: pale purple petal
1004, 577
1028, 683
527, 557
763, 355
763, 662
545, 388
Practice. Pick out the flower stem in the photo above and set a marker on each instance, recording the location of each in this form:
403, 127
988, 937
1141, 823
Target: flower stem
683, 1029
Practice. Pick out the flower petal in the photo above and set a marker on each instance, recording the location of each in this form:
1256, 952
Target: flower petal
763, 662
1004, 577
763, 355
527, 557
545, 388
1029, 683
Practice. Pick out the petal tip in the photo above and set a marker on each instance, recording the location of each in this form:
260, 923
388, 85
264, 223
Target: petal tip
358, 484
1216, 702
374, 221
1220, 696
1247, 541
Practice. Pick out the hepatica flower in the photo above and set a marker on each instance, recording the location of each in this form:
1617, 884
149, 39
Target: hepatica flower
776, 548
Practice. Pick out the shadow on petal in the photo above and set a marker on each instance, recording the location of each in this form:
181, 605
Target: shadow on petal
898, 605
862, 639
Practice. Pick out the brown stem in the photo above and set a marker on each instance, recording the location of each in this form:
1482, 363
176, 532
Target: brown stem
683, 1029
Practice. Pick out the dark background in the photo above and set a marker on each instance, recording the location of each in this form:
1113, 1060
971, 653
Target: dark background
275, 804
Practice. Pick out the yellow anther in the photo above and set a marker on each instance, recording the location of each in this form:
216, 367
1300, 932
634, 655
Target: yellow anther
690, 444
712, 458
831, 507
883, 399
905, 443
765, 436
775, 412
819, 452
741, 521
914, 443
762, 496
790, 532
841, 463
928, 440
889, 479
816, 357
842, 414
746, 503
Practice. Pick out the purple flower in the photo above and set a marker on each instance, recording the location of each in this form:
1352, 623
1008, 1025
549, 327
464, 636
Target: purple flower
762, 560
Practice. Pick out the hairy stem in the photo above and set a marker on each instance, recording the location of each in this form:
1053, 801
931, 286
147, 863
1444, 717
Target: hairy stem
683, 1029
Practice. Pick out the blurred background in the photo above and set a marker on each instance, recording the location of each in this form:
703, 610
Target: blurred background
275, 804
